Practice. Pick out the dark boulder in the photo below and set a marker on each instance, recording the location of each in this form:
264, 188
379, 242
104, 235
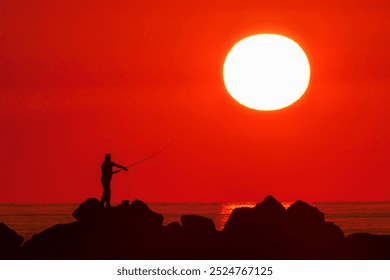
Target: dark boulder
303, 214
240, 220
61, 241
174, 227
257, 232
197, 224
265, 215
310, 236
10, 242
199, 238
365, 246
138, 216
124, 232
90, 211
270, 231
271, 208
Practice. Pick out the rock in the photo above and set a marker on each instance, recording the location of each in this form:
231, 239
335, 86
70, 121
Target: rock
127, 231
365, 246
310, 236
271, 207
304, 214
257, 233
90, 211
200, 239
197, 224
138, 216
270, 231
10, 242
174, 227
323, 241
264, 216
332, 236
241, 219
61, 241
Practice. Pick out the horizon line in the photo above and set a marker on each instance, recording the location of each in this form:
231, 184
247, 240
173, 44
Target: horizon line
206, 202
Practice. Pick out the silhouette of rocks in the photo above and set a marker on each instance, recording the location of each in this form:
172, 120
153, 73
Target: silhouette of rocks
272, 207
90, 211
62, 241
124, 231
304, 214
133, 231
199, 239
270, 231
174, 227
138, 216
264, 215
198, 224
365, 246
10, 242
310, 235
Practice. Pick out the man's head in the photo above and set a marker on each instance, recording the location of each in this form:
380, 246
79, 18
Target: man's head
107, 157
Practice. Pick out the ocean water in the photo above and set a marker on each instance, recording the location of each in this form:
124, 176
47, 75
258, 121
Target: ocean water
351, 217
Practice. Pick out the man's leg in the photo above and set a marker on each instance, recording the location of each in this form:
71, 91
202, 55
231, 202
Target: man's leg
103, 197
106, 196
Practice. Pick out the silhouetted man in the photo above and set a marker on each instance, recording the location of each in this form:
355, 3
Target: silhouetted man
107, 172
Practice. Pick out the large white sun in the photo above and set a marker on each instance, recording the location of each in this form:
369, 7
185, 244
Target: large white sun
266, 72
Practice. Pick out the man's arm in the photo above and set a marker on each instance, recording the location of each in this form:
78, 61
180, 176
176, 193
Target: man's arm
119, 166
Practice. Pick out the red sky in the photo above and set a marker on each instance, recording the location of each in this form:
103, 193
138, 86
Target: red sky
82, 78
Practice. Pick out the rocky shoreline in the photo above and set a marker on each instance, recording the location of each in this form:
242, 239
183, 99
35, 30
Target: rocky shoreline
133, 231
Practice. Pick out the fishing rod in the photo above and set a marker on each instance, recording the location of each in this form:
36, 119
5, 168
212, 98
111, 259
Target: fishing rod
147, 158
